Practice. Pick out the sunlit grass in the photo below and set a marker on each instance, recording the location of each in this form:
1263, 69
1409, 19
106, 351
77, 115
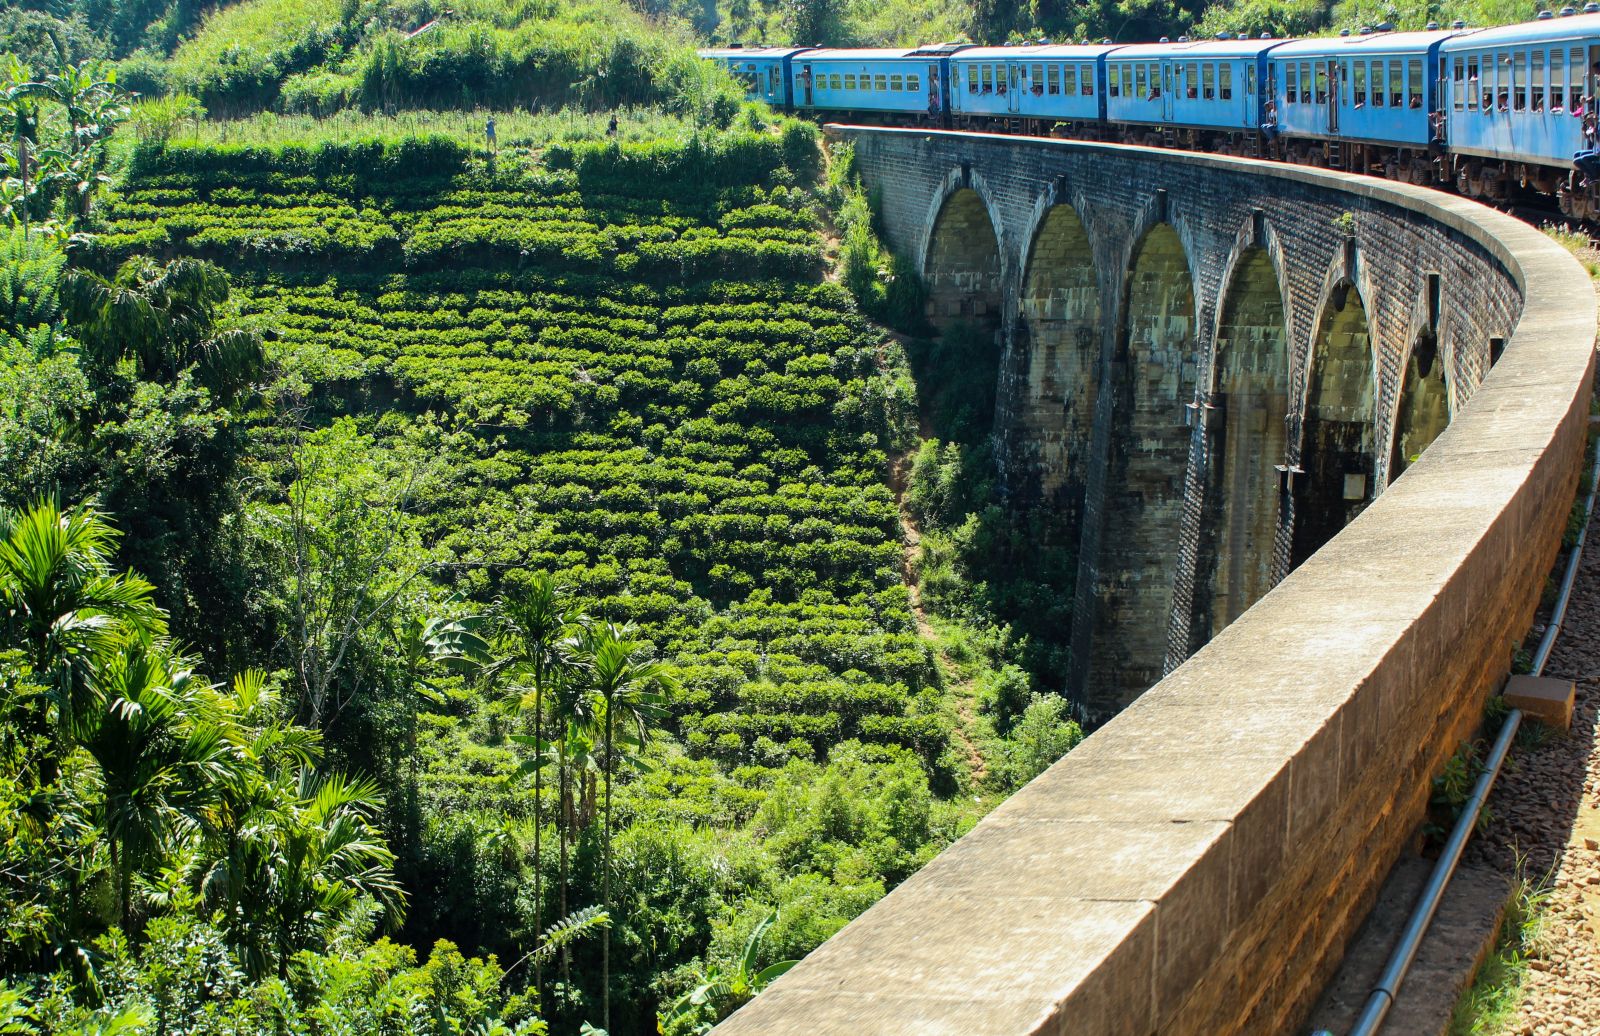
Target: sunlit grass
1489, 1006
512, 128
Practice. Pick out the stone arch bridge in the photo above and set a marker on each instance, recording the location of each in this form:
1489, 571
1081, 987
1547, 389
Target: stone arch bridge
1210, 373
1221, 366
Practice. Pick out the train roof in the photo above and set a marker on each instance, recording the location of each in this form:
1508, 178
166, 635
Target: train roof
751, 52
857, 54
1208, 48
1038, 51
1541, 30
1365, 43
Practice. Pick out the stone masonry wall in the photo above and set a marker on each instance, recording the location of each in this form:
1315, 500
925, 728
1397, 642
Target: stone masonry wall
1148, 563
1198, 863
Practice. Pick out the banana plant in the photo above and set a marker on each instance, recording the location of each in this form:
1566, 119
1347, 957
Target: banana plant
723, 989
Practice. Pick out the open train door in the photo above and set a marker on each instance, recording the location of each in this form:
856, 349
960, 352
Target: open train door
1333, 98
805, 84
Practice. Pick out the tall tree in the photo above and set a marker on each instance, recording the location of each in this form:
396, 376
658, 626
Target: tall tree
533, 626
632, 687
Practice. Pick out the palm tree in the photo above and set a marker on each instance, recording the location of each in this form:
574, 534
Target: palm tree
532, 626
60, 600
163, 316
632, 687
326, 860
574, 713
233, 865
160, 754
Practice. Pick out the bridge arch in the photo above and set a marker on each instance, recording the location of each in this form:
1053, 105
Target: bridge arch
962, 261
1248, 433
1338, 455
1422, 410
1153, 378
1058, 337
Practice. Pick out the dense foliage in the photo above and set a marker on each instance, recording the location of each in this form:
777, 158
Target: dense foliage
428, 374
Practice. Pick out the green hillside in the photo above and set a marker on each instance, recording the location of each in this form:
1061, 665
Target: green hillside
357, 391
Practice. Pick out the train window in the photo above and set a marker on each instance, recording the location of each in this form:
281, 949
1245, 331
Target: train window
1322, 83
849, 80
1459, 89
986, 76
1208, 81
1414, 73
1038, 79
1086, 80
1305, 82
1558, 79
1225, 81
1069, 79
1114, 81
1052, 79
914, 83
1291, 86
1519, 81
1361, 84
1127, 80
880, 83
1155, 82
1191, 85
1379, 97
1141, 87
1536, 82
1575, 81
1250, 80
897, 83
1397, 84
1471, 88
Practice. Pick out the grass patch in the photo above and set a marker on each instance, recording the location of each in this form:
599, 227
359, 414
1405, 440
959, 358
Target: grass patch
1489, 1005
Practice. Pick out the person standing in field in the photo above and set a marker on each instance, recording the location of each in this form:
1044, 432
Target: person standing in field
488, 132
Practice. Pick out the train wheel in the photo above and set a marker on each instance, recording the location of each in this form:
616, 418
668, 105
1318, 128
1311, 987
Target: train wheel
1564, 200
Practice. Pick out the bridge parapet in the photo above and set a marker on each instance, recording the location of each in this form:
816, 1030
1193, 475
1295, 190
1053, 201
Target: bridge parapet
1198, 863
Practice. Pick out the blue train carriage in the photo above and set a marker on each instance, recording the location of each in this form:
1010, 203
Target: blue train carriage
1518, 103
1034, 89
1204, 95
1362, 101
764, 71
896, 86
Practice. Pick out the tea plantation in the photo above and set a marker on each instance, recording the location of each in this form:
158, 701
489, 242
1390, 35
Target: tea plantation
630, 371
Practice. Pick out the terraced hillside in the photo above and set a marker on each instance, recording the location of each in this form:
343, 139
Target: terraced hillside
627, 369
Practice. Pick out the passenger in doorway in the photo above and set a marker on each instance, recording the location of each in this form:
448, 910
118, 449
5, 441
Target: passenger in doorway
1269, 122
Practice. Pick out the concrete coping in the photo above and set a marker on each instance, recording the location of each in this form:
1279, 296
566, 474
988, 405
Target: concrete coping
1197, 863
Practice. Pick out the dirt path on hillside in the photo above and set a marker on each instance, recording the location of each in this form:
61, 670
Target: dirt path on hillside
962, 691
